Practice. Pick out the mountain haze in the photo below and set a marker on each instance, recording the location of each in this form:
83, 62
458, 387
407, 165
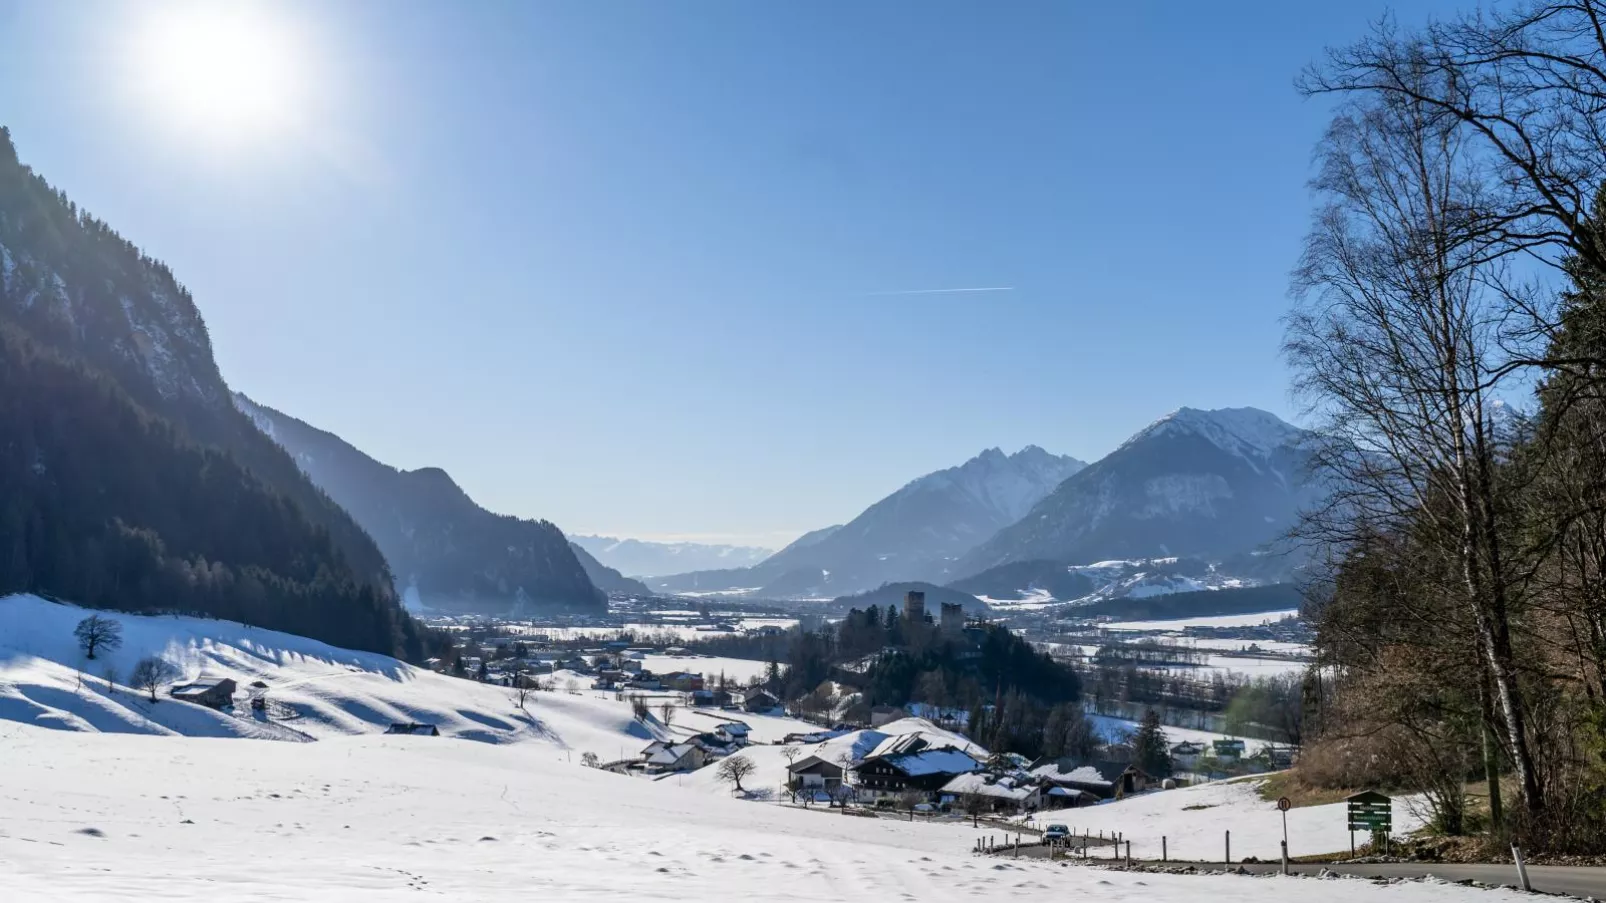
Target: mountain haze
915, 533
644, 558
453, 553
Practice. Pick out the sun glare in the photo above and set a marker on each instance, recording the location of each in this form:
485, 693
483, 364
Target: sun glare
222, 69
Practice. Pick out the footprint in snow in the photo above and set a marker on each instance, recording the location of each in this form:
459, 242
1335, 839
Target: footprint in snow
486, 837
91, 832
746, 857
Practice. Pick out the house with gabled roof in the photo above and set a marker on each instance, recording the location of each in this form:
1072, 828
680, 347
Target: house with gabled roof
1103, 779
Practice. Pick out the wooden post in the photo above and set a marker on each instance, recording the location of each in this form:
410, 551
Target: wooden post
1522, 868
1129, 854
1163, 857
1228, 860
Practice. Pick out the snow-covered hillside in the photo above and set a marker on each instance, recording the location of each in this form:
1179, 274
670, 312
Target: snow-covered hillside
315, 691
1194, 822
120, 817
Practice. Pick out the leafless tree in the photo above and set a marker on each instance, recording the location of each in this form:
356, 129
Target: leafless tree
149, 674
521, 692
590, 760
666, 713
734, 769
98, 634
1397, 346
790, 753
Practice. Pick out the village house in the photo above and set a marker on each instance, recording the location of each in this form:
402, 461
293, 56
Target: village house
734, 733
909, 762
1006, 793
1185, 755
663, 758
1105, 780
682, 681
757, 700
213, 692
1228, 750
813, 774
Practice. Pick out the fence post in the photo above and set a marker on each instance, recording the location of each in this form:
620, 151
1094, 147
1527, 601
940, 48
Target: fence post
1522, 868
1163, 856
1129, 854
1228, 860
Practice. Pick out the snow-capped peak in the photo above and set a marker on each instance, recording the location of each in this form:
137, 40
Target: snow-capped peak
1249, 432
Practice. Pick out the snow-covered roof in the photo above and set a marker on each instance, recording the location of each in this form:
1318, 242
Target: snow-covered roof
980, 784
944, 760
1066, 773
669, 755
899, 745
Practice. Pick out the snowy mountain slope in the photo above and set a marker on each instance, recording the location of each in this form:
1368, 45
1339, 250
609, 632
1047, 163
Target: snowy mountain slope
453, 554
388, 818
1208, 483
912, 534
316, 691
641, 558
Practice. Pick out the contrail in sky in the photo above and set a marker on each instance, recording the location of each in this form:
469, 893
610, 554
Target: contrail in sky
945, 291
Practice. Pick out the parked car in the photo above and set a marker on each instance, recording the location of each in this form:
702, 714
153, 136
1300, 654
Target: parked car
1056, 832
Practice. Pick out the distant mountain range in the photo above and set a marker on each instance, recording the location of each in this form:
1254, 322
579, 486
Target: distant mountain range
447, 553
915, 533
1200, 483
642, 558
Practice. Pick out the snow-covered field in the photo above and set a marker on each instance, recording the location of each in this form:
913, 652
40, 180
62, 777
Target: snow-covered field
737, 670
104, 798
1194, 822
684, 632
1251, 620
122, 817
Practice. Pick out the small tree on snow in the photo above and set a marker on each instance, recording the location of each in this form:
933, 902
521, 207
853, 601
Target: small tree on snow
98, 634
590, 760
790, 754
666, 713
734, 769
149, 674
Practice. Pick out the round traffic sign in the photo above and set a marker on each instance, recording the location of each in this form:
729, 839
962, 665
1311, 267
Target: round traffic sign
1284, 804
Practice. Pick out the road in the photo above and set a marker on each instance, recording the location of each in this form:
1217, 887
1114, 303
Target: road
1577, 881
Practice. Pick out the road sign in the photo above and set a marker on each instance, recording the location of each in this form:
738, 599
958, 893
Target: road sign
1284, 803
1370, 811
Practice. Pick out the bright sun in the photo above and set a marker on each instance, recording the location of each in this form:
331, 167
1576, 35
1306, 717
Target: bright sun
221, 69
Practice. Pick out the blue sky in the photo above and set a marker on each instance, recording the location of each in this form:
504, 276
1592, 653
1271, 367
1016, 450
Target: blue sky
635, 267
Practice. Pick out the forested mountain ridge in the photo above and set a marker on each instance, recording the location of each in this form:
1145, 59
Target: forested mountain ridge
442, 545
127, 478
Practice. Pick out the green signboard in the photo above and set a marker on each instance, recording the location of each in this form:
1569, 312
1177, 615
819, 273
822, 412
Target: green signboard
1371, 811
